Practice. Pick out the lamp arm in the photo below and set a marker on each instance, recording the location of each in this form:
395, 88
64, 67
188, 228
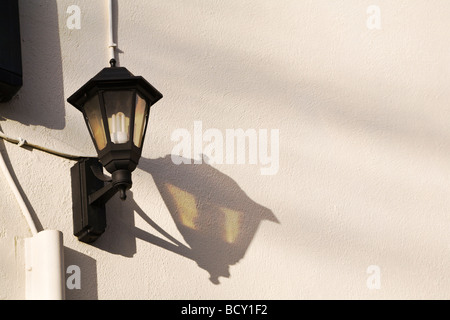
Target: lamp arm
98, 173
103, 195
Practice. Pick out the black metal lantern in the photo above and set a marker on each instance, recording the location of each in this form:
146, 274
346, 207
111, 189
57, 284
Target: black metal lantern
116, 106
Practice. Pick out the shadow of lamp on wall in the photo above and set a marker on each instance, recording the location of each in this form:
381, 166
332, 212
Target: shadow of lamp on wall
213, 214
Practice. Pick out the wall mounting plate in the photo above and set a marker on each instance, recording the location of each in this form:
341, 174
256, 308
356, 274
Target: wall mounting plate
89, 221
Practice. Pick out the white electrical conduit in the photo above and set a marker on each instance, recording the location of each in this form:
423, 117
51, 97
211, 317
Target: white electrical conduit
111, 44
44, 266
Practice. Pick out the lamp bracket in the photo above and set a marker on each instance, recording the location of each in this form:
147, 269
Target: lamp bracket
91, 189
89, 220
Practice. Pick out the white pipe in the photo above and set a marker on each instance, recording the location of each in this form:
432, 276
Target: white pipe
111, 45
18, 196
44, 265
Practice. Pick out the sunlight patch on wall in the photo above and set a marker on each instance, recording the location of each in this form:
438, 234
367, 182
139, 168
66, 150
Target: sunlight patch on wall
186, 205
232, 224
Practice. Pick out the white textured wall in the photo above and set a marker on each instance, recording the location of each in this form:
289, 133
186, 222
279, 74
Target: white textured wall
364, 122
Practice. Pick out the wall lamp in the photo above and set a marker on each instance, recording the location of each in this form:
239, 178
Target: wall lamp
116, 106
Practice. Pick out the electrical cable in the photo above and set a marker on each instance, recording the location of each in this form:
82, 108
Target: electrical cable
23, 143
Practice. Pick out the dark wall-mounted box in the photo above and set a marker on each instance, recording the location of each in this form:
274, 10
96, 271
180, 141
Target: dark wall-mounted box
10, 50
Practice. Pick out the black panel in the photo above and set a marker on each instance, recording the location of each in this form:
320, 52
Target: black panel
89, 221
10, 50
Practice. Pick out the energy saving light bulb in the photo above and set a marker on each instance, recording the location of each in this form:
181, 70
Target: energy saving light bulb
119, 132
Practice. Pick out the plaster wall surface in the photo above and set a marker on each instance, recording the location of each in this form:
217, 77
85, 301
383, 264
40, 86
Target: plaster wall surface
364, 143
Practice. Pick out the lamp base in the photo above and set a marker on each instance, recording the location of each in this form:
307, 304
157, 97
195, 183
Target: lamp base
121, 179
